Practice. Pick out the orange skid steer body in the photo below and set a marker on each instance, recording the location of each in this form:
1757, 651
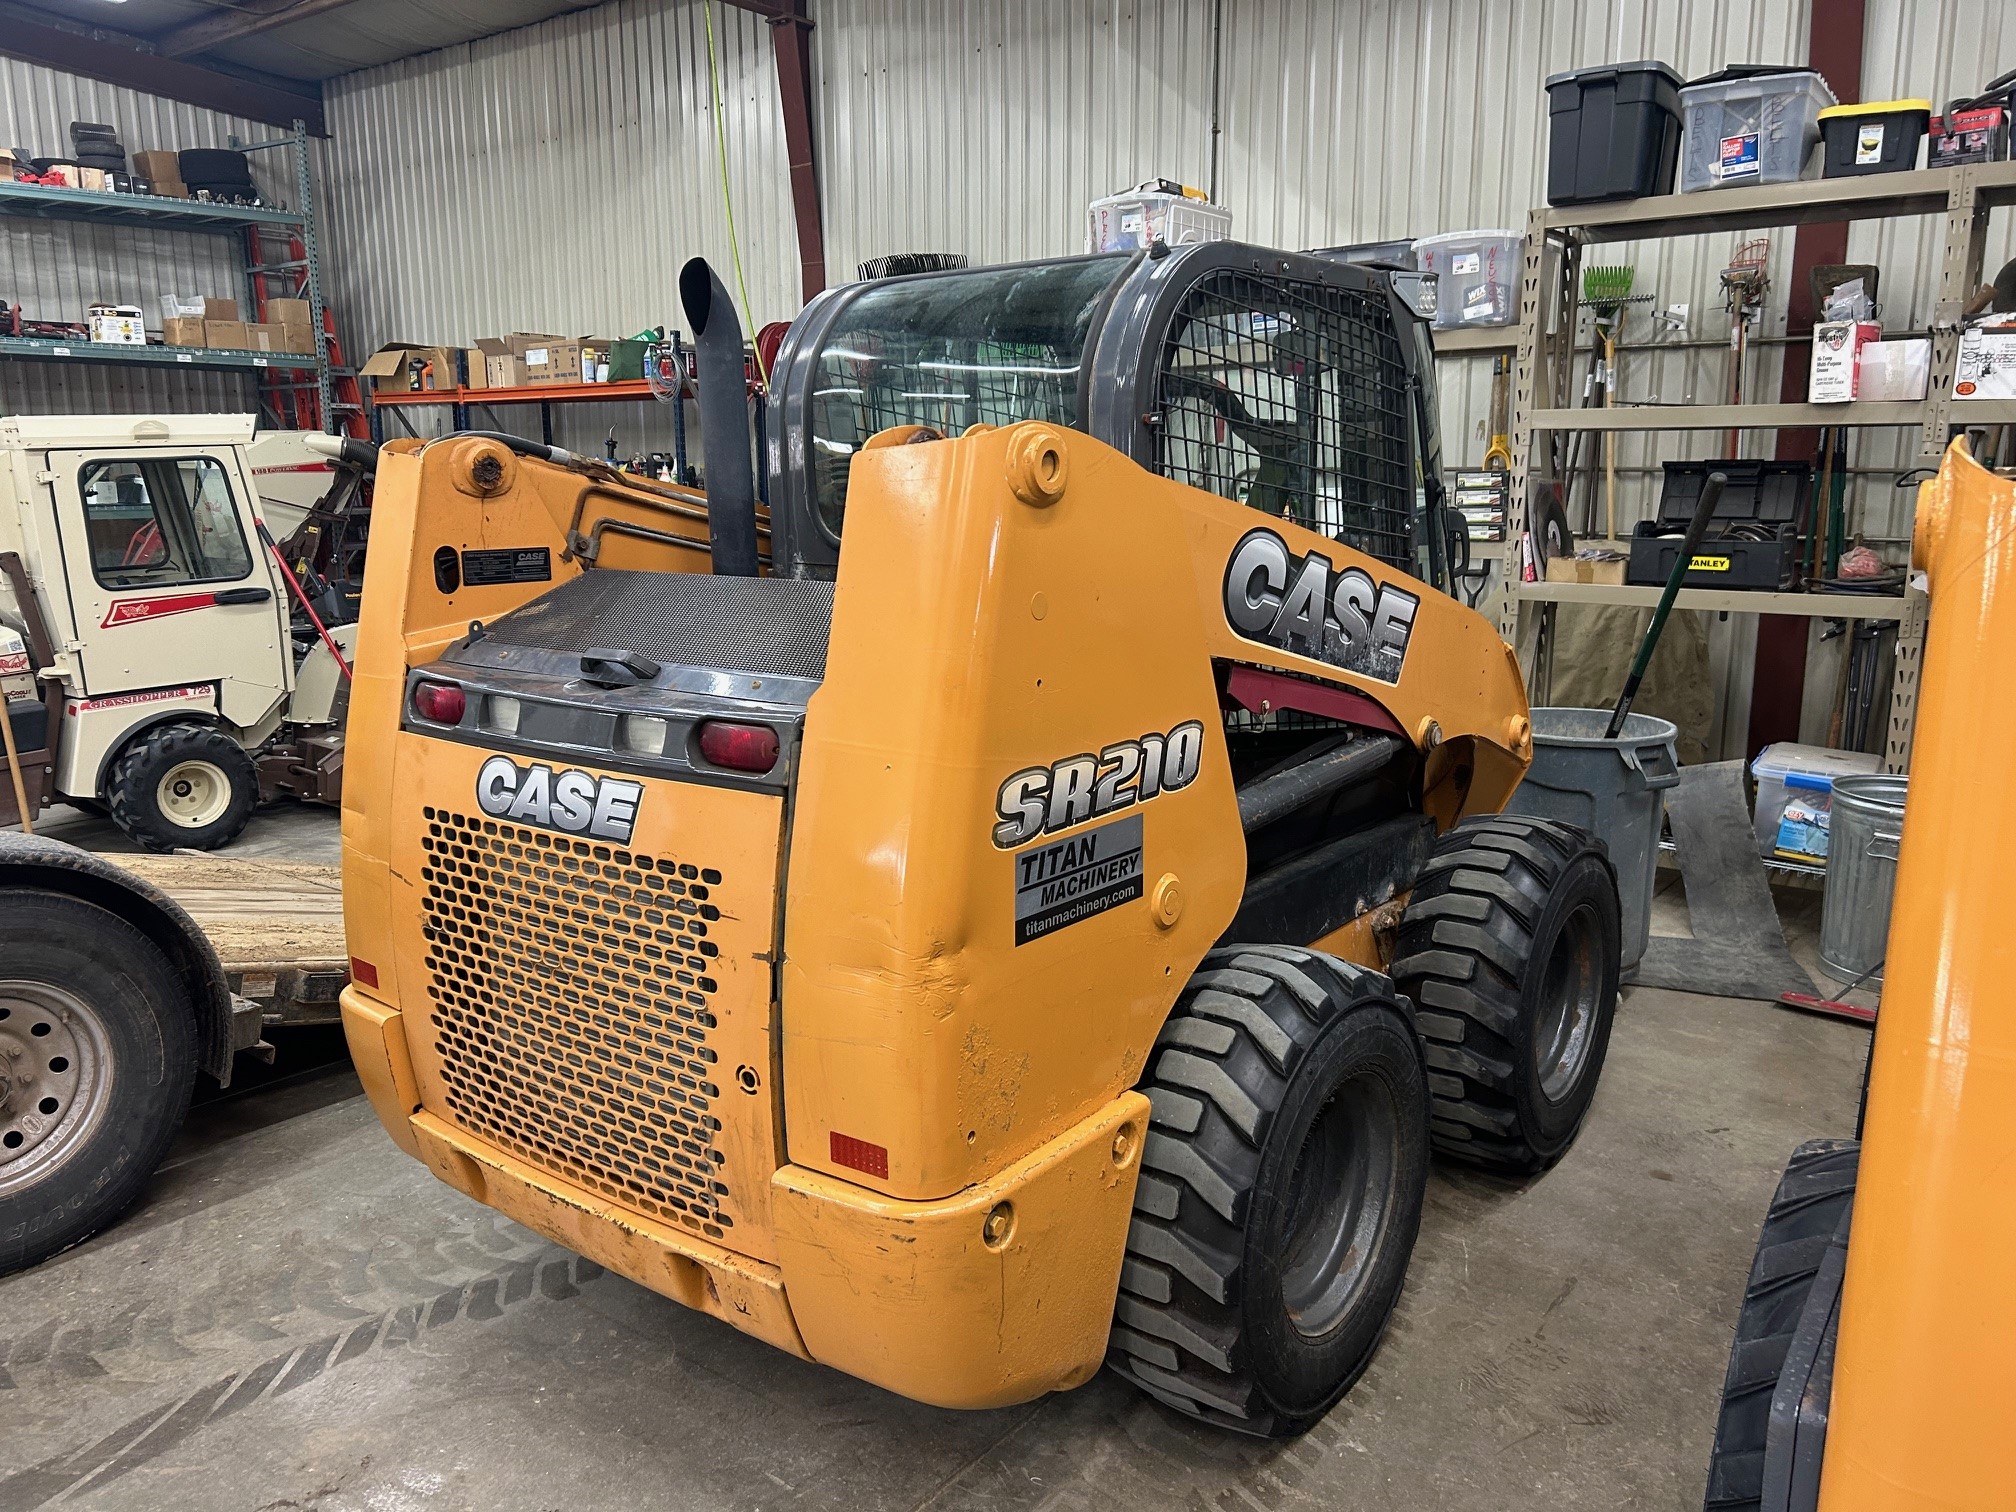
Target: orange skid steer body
805, 934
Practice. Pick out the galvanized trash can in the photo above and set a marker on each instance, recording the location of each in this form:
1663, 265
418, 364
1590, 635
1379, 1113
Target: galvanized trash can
1612, 788
1863, 831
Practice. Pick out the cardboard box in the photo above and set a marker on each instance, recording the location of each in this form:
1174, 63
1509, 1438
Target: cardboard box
220, 309
267, 336
229, 334
1896, 371
163, 170
116, 323
183, 330
91, 178
295, 338
1586, 569
1835, 377
401, 367
1987, 365
552, 362
475, 367
289, 312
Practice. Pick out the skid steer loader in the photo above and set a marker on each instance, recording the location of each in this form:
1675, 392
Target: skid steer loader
1052, 926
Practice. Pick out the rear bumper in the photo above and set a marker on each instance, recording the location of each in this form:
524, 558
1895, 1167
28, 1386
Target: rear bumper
922, 1298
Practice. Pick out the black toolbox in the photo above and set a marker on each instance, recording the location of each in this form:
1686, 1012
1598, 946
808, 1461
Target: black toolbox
1753, 536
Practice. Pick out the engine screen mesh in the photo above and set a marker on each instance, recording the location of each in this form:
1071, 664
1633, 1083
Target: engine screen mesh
571, 986
1292, 396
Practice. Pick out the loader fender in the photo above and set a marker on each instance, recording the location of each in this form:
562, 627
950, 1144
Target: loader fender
31, 861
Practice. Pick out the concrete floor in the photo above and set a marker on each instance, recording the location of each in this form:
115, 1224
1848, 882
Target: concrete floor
300, 1319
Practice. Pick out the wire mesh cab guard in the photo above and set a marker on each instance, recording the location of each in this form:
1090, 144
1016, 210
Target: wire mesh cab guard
1298, 386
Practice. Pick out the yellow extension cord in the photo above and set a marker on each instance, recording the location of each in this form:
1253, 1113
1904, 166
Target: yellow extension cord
727, 200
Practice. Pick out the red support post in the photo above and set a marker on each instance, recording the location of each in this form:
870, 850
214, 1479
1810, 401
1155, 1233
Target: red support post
1778, 680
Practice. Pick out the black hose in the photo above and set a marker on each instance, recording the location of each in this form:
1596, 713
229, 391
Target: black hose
724, 419
558, 455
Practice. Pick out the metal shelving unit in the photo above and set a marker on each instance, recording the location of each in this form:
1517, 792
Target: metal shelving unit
1549, 281
159, 212
151, 356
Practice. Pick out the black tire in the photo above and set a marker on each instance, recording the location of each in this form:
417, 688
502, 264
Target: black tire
1282, 1177
142, 788
1811, 1204
1509, 951
81, 980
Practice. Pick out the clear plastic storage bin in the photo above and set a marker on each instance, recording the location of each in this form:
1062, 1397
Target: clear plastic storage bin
1128, 222
1795, 798
1743, 127
1476, 276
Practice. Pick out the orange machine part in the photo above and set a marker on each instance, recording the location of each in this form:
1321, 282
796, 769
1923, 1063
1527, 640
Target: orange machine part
1924, 1385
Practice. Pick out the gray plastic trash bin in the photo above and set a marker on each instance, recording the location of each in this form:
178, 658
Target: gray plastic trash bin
1866, 824
1614, 789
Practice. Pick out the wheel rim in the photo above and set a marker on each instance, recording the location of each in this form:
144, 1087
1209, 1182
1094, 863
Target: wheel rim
1338, 1199
193, 794
1569, 991
55, 1078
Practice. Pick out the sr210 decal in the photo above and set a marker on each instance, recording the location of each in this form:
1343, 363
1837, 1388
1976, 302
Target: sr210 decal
1311, 607
572, 802
1042, 800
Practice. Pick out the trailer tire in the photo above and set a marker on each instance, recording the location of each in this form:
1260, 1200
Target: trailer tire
1508, 949
95, 1021
1280, 1191
1811, 1205
182, 786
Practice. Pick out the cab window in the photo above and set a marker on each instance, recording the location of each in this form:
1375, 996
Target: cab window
1292, 397
160, 521
992, 346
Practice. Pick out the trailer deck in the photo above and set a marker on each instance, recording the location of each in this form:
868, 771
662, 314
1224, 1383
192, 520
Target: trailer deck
276, 925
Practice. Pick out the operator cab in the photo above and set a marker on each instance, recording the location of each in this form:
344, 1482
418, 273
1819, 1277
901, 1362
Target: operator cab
1295, 385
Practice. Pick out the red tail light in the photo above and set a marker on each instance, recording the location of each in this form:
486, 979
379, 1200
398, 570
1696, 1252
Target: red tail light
739, 747
443, 703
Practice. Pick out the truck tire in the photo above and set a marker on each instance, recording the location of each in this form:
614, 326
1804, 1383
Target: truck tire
182, 786
1280, 1190
1811, 1205
97, 1034
1509, 951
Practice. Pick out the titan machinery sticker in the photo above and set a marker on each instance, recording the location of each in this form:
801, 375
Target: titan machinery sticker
572, 802
1071, 880
1311, 607
510, 564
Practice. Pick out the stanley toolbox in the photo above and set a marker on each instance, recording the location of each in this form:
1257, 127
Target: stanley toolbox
1753, 539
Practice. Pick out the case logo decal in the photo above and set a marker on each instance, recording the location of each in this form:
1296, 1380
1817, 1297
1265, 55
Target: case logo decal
1042, 800
572, 802
1309, 606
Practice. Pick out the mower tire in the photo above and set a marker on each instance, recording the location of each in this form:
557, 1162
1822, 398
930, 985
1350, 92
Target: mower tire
1508, 949
1280, 1190
182, 786
97, 1060
1809, 1214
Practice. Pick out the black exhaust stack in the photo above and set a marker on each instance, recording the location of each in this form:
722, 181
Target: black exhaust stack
724, 419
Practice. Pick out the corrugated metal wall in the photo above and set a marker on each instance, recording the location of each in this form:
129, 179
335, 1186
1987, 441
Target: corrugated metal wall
53, 269
554, 179
987, 127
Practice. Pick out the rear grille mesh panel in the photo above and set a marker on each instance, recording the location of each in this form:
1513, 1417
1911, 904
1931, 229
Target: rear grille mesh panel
572, 986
